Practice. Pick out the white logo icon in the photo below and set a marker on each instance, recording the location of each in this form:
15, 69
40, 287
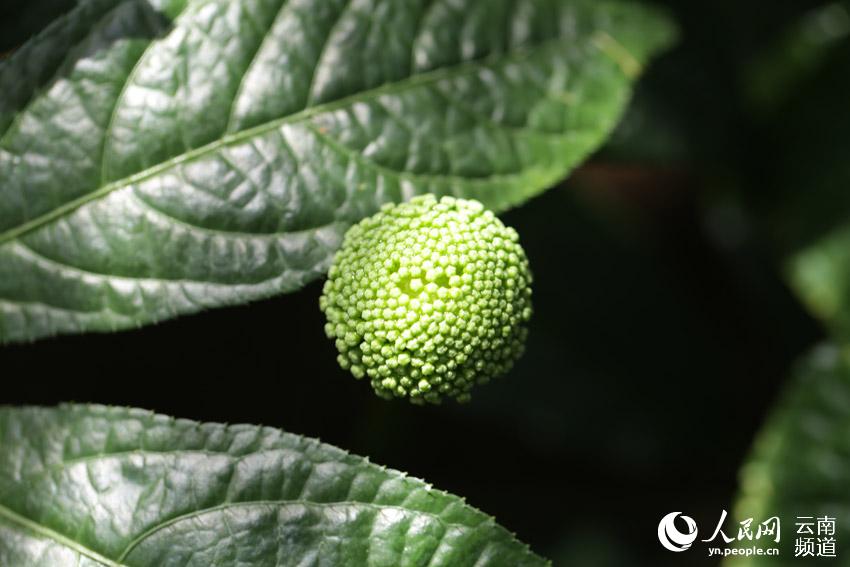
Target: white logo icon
670, 536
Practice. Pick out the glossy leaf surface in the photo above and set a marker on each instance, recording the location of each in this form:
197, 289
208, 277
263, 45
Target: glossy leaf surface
800, 466
92, 486
159, 157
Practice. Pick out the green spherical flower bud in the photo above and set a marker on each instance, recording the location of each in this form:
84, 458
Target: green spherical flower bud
428, 298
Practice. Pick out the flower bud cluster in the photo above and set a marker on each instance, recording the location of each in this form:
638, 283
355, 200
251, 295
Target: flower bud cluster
428, 298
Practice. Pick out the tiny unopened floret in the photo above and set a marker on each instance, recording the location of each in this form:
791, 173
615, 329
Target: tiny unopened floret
428, 298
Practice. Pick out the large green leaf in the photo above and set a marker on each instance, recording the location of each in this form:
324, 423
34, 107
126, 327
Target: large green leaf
92, 485
801, 462
159, 157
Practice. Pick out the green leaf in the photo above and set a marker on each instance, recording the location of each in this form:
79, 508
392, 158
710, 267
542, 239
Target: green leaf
820, 273
93, 485
160, 157
801, 461
805, 205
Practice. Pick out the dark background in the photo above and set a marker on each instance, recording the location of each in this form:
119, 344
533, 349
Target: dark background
663, 328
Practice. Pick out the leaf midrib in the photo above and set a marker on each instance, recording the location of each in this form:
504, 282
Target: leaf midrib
44, 531
73, 413
489, 522
35, 527
420, 79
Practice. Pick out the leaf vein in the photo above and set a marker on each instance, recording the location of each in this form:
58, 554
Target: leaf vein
231, 114
359, 158
299, 502
23, 522
16, 120
308, 101
107, 131
426, 78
